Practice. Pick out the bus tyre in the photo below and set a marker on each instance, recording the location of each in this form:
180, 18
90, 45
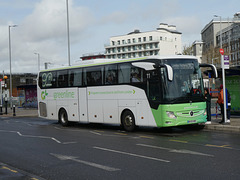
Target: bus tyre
63, 117
128, 121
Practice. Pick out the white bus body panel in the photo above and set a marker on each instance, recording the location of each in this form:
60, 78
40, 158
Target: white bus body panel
103, 104
106, 104
83, 104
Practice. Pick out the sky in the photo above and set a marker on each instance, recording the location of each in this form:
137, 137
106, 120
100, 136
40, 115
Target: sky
42, 26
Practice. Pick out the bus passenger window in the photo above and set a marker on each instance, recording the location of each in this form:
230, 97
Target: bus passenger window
124, 71
62, 78
110, 74
75, 77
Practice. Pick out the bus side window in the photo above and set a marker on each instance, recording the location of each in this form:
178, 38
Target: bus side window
124, 71
137, 75
94, 76
75, 77
110, 74
62, 78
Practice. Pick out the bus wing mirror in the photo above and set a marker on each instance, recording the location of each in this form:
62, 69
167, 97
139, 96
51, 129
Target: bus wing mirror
169, 71
145, 65
214, 69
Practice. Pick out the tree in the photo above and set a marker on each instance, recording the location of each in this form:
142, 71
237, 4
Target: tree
187, 50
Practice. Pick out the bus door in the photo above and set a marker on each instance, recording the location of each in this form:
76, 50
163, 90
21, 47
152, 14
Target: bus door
83, 104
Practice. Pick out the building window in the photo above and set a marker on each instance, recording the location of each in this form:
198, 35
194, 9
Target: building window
139, 39
129, 41
144, 39
134, 40
123, 41
129, 48
150, 38
113, 43
118, 42
160, 38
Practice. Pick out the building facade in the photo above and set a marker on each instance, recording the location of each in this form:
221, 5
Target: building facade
231, 40
197, 48
225, 33
165, 40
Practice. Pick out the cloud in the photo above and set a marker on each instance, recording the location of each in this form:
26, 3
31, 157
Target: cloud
117, 17
44, 30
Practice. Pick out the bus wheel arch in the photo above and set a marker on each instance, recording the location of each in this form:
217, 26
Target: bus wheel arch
128, 120
63, 117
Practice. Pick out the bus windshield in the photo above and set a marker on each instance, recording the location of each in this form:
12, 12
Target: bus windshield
187, 84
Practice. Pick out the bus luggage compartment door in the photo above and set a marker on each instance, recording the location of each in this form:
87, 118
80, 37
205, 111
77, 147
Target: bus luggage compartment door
83, 113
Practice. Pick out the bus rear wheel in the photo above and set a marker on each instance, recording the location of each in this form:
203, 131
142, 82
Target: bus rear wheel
128, 121
63, 117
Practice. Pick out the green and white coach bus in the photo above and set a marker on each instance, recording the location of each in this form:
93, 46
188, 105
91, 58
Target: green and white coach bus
151, 91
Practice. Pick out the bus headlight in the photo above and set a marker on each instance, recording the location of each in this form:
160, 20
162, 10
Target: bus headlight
171, 114
205, 112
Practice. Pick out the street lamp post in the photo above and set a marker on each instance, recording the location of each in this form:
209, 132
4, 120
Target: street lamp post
68, 34
223, 72
38, 60
10, 60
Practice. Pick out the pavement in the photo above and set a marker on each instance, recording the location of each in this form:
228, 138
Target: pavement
233, 126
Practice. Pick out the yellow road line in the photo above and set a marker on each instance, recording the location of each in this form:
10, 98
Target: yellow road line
174, 140
148, 137
121, 134
4, 167
222, 146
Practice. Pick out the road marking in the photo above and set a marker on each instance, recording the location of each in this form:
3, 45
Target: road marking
121, 134
4, 167
148, 137
72, 158
31, 136
174, 140
95, 133
131, 154
222, 146
183, 151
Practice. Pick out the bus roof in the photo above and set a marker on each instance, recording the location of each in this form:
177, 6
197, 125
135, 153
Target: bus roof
96, 62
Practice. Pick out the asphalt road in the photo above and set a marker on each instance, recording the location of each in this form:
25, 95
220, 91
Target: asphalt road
34, 148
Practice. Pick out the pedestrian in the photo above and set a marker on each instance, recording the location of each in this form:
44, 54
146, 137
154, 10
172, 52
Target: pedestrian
208, 97
228, 105
220, 101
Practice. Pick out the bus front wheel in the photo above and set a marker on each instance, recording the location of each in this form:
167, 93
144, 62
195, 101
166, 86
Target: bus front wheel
128, 120
63, 117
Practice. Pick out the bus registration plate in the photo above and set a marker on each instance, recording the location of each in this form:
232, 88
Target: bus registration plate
191, 121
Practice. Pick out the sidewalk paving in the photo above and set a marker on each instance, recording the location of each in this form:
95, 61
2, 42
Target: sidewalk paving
20, 112
233, 126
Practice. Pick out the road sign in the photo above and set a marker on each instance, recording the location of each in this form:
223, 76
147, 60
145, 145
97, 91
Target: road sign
221, 51
226, 62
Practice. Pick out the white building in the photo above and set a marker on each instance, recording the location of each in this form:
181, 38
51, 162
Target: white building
197, 50
165, 40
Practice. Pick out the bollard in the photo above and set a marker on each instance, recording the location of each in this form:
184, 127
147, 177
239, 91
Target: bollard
1, 110
6, 107
14, 110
